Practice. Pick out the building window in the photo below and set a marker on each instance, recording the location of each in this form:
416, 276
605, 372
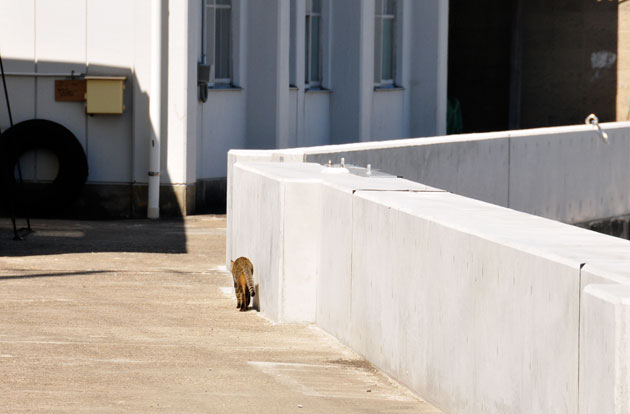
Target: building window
219, 40
312, 50
385, 43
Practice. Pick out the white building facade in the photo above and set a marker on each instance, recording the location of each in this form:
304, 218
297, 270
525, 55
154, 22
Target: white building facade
279, 73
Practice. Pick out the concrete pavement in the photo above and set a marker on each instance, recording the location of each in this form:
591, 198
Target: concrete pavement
139, 316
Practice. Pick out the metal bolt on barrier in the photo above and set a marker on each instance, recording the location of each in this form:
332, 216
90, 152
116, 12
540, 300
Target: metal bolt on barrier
594, 121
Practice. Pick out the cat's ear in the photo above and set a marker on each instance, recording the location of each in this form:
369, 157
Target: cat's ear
231, 264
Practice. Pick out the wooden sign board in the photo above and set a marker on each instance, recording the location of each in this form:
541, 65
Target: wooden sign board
72, 90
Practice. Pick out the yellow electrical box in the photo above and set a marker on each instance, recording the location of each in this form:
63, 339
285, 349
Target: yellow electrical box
104, 94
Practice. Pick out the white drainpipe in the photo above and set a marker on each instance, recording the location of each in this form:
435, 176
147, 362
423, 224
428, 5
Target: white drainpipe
155, 105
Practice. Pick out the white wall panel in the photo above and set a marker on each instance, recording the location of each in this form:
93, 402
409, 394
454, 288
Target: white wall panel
98, 37
17, 42
109, 149
60, 35
267, 91
388, 115
110, 51
184, 29
21, 98
316, 119
224, 128
17, 47
60, 46
351, 70
110, 34
141, 83
69, 114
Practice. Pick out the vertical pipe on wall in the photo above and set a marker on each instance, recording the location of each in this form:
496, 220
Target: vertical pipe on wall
155, 104
204, 23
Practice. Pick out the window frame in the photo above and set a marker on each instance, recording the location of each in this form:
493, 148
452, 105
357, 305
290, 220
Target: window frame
212, 60
380, 14
309, 83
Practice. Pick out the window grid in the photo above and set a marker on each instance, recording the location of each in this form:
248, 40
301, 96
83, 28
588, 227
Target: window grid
219, 39
312, 40
384, 43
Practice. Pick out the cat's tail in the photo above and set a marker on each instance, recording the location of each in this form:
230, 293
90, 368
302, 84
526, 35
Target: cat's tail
250, 281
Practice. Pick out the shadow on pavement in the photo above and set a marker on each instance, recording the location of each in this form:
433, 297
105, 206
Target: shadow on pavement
64, 274
72, 236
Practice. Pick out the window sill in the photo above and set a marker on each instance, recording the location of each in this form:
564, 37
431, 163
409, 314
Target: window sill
388, 88
224, 88
317, 90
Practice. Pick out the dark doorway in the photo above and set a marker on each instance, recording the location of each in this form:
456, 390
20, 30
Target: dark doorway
479, 62
534, 63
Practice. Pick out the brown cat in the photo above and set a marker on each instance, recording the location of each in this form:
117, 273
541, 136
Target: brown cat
242, 273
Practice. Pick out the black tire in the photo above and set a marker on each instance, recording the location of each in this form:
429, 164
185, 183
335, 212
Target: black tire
73, 167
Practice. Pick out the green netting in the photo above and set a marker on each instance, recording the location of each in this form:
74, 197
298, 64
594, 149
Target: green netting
454, 122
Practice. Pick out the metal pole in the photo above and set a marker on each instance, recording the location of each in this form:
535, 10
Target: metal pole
19, 168
6, 93
155, 112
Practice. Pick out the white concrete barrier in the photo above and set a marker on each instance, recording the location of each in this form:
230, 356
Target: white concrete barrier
605, 349
459, 313
474, 165
245, 156
276, 221
565, 173
569, 174
475, 307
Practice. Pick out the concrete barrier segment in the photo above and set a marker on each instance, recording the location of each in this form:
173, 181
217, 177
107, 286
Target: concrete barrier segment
276, 221
570, 176
605, 349
477, 306
475, 168
232, 157
475, 324
561, 173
